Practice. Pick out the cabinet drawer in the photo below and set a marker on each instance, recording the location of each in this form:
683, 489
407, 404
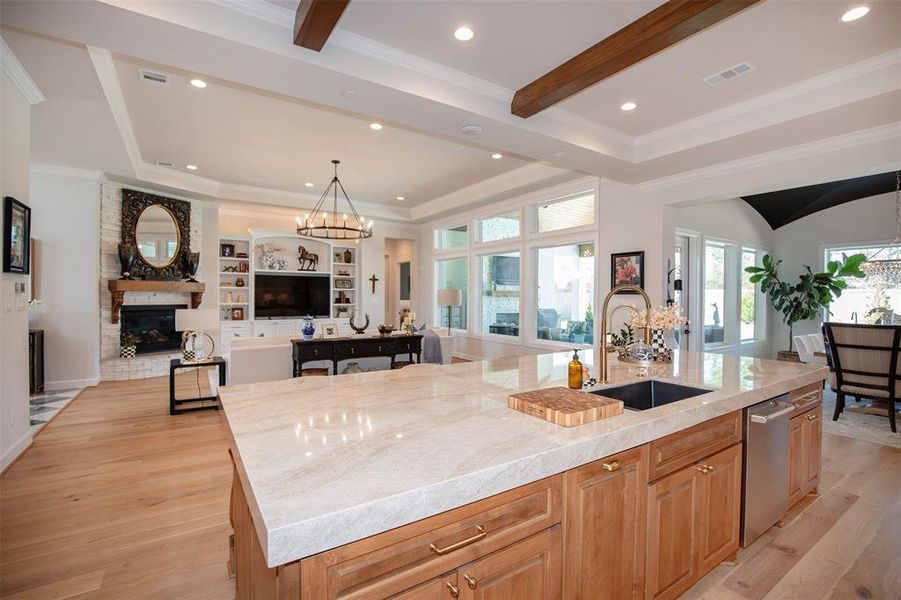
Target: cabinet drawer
312, 351
682, 448
806, 398
397, 560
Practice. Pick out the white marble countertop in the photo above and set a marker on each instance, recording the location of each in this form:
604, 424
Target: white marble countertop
329, 460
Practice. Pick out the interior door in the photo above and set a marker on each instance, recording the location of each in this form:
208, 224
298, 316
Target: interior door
529, 570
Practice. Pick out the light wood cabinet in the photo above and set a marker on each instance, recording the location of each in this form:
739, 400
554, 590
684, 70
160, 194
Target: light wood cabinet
693, 522
805, 452
605, 535
528, 570
440, 588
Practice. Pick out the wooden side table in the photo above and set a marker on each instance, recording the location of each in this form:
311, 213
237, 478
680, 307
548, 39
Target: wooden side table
176, 364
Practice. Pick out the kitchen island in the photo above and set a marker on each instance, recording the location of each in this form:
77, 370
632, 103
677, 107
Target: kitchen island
387, 484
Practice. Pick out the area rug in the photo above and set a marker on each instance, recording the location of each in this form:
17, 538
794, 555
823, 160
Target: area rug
858, 422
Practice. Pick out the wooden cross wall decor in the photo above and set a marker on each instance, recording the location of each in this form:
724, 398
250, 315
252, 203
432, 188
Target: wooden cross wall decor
373, 279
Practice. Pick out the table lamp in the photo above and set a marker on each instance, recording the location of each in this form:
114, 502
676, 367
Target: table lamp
193, 322
450, 297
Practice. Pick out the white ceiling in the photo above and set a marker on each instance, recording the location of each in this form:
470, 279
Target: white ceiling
244, 136
274, 114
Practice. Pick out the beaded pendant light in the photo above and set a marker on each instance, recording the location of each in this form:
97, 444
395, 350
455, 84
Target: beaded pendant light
887, 270
319, 224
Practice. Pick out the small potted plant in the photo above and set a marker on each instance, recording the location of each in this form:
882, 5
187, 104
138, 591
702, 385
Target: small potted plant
128, 344
577, 332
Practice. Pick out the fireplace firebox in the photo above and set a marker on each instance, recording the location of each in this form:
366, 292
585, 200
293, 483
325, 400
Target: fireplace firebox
154, 324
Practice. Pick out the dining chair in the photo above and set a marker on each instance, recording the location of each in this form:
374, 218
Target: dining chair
864, 361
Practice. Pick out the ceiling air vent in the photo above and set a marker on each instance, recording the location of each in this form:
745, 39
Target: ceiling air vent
166, 163
730, 73
154, 77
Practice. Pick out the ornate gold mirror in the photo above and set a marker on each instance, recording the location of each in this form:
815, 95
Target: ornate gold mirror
157, 236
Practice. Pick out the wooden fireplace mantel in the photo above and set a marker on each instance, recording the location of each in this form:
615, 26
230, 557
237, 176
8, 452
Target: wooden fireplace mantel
118, 287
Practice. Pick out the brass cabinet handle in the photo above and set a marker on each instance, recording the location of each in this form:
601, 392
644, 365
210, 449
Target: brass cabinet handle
454, 590
471, 581
479, 536
611, 466
702, 468
709, 468
811, 417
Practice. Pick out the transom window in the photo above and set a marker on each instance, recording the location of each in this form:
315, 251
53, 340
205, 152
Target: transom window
452, 237
565, 213
499, 227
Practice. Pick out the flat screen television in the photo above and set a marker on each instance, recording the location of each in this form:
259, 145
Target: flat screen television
505, 270
285, 296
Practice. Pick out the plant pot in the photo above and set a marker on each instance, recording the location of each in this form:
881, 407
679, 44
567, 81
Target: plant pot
786, 356
578, 338
128, 351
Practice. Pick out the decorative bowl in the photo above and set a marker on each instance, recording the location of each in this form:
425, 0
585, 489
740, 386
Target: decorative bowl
386, 329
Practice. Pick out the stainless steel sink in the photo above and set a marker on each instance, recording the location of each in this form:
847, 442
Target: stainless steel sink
643, 395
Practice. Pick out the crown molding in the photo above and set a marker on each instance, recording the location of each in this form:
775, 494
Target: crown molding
678, 137
61, 171
505, 182
19, 76
783, 155
265, 11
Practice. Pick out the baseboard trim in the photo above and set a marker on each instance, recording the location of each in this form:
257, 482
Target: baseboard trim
11, 455
70, 384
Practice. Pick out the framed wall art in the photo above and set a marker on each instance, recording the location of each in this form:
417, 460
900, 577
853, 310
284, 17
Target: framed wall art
627, 268
16, 237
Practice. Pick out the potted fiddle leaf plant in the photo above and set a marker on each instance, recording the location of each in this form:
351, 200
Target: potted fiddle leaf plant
809, 297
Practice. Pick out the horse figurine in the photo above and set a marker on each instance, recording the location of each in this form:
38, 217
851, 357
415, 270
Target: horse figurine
308, 260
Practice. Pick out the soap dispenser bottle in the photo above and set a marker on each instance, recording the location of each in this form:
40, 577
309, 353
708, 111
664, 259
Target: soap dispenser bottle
574, 378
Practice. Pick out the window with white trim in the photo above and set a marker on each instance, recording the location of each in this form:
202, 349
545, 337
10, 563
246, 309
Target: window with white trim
504, 226
499, 294
564, 293
453, 273
564, 213
452, 237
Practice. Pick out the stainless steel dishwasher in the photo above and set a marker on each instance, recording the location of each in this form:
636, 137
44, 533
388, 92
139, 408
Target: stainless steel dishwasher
765, 473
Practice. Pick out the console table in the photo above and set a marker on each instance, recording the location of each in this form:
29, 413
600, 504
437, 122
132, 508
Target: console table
346, 348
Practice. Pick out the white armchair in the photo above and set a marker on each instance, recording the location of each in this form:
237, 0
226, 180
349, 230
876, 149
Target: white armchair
811, 348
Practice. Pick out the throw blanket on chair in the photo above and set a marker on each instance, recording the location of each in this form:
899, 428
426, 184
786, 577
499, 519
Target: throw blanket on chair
431, 347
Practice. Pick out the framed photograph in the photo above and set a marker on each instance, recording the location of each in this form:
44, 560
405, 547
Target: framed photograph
16, 237
237, 313
627, 268
344, 284
227, 250
329, 331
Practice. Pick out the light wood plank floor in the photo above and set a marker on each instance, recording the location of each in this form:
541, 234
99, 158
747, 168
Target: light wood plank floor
117, 499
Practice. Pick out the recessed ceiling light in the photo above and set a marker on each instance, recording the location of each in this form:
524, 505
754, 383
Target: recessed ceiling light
464, 34
627, 106
497, 155
198, 83
309, 184
855, 13
401, 198
191, 167
376, 126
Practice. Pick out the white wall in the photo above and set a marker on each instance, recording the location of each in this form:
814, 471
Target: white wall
15, 153
803, 242
66, 225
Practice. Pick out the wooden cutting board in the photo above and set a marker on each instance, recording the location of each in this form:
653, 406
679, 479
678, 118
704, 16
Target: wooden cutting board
564, 406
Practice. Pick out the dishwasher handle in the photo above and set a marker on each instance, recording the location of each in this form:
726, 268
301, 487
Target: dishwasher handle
771, 417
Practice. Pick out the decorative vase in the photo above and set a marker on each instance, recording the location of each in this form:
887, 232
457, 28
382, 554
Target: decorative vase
127, 259
348, 256
239, 282
191, 263
658, 344
267, 259
128, 351
308, 329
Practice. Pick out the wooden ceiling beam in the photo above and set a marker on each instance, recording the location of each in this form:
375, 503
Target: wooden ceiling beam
661, 28
315, 20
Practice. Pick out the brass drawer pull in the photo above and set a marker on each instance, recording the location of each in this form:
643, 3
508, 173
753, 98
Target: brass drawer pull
811, 417
462, 543
471, 581
702, 468
611, 466
454, 590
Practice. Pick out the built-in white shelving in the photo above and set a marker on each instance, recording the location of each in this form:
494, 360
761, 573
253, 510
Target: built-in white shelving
230, 294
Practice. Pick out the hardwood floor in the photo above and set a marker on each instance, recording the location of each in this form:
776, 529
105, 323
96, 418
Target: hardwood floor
117, 499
